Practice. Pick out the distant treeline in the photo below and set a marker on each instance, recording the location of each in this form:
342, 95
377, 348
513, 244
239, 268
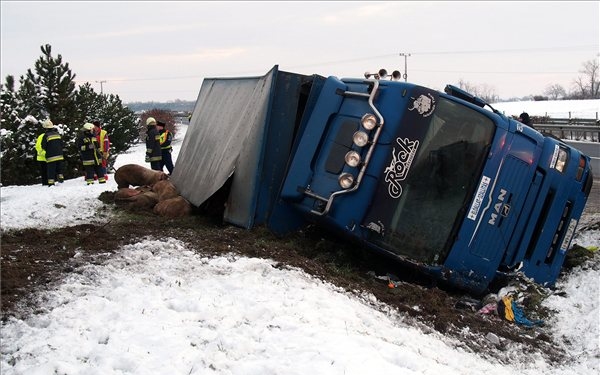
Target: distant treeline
174, 106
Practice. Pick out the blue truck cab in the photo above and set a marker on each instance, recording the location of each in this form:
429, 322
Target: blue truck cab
434, 179
437, 180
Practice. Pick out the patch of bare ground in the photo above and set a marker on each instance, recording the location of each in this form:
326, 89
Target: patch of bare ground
33, 260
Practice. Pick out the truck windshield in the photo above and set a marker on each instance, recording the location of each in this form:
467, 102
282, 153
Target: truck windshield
441, 182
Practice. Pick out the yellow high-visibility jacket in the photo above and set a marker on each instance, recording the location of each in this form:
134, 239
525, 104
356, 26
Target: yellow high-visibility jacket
41, 153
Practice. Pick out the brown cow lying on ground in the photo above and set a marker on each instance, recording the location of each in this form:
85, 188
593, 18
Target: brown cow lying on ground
165, 190
124, 193
154, 192
136, 175
139, 199
173, 207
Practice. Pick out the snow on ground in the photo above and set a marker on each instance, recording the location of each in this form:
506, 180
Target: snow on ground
158, 307
71, 202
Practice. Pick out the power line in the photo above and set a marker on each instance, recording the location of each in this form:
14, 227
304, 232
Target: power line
391, 55
484, 72
512, 50
151, 79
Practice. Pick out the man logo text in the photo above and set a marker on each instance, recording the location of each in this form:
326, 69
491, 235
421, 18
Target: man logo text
500, 208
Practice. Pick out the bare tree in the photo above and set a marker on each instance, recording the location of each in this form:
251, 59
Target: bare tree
484, 91
555, 91
587, 85
488, 93
467, 86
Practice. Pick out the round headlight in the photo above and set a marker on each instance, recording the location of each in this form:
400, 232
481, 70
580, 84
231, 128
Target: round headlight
346, 180
352, 158
369, 121
360, 138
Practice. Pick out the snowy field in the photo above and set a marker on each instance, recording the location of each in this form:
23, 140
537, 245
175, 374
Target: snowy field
586, 109
157, 307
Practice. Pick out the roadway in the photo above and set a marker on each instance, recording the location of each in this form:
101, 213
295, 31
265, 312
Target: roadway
591, 149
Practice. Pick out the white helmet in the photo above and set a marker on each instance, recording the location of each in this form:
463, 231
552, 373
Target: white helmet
88, 126
150, 121
47, 124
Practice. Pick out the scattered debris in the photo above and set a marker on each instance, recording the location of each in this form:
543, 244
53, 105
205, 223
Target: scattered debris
493, 338
468, 303
578, 255
509, 310
505, 304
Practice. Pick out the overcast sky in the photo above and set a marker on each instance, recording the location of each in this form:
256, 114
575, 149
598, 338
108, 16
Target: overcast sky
161, 51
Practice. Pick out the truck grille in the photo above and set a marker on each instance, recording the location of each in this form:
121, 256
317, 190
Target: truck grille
563, 225
539, 227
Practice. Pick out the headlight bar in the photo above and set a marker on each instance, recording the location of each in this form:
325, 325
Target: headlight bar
370, 150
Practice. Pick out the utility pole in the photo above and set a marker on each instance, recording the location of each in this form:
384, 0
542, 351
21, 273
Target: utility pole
405, 65
101, 88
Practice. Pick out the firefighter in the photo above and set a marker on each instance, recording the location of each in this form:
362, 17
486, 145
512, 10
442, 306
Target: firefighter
51, 144
89, 151
166, 137
525, 119
104, 145
153, 151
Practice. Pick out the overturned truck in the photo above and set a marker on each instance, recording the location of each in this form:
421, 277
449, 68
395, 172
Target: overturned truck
437, 180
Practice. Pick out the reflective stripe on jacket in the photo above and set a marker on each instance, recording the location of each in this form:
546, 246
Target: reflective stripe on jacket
87, 144
52, 144
165, 139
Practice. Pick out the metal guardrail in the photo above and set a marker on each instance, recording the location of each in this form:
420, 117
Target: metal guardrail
577, 129
570, 120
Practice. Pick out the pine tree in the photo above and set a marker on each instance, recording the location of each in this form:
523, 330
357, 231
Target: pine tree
120, 122
49, 91
9, 105
53, 87
17, 138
